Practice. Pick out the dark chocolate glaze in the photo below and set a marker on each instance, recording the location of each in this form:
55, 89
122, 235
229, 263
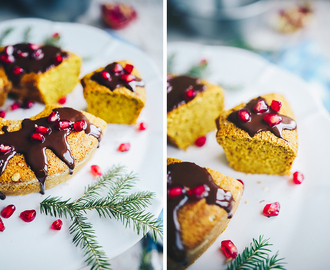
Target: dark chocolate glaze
2, 196
37, 60
115, 81
257, 123
189, 175
177, 86
34, 152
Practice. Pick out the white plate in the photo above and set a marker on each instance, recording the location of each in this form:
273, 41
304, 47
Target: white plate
301, 231
34, 245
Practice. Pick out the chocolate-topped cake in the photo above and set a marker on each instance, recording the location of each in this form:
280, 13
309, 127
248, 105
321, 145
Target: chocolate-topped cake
43, 151
42, 73
115, 93
200, 203
259, 136
192, 106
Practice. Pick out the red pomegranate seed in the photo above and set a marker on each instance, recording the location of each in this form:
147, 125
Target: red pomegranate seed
34, 46
38, 137
105, 75
169, 77
55, 35
276, 105
63, 124
199, 192
37, 54
5, 149
22, 54
2, 226
229, 249
43, 130
62, 100
203, 62
142, 126
129, 68
18, 71
58, 59
96, 170
7, 58
16, 105
175, 192
53, 117
244, 115
124, 147
2, 114
80, 125
127, 78
118, 68
28, 215
260, 107
9, 50
272, 209
189, 94
239, 180
297, 178
57, 225
200, 141
272, 119
8, 211
28, 104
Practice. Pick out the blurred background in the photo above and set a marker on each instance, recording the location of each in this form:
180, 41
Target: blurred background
294, 35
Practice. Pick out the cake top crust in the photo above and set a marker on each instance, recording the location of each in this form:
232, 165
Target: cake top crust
24, 58
187, 182
181, 90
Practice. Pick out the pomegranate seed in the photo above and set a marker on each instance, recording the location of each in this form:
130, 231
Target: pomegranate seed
203, 62
272, 209
5, 149
239, 180
58, 59
297, 178
96, 170
34, 46
105, 75
18, 71
57, 225
62, 100
53, 117
63, 124
118, 68
175, 192
43, 130
80, 125
38, 137
2, 114
28, 215
199, 192
16, 105
37, 54
9, 50
200, 141
124, 147
22, 54
142, 126
229, 249
244, 115
260, 107
127, 78
28, 104
169, 77
7, 58
272, 119
8, 211
276, 105
129, 68
189, 94
55, 35
2, 226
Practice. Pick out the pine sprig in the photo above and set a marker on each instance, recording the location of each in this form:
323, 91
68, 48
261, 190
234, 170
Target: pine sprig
27, 34
5, 33
256, 257
117, 204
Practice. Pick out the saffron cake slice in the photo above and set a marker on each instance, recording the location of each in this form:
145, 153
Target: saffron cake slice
192, 106
34, 72
260, 136
44, 151
200, 204
115, 93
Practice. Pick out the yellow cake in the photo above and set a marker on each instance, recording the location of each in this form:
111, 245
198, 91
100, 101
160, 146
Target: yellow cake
115, 93
192, 106
270, 151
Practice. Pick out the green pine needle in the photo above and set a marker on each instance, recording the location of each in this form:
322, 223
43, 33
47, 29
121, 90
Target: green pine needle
200, 70
4, 34
117, 204
27, 34
256, 257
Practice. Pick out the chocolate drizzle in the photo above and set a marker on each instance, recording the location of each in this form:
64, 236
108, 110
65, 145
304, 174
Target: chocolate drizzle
257, 123
30, 58
115, 80
177, 87
187, 176
34, 152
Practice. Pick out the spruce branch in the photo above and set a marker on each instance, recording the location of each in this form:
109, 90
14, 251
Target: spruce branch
5, 33
27, 34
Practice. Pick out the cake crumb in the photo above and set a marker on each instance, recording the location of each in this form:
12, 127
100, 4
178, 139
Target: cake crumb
15, 177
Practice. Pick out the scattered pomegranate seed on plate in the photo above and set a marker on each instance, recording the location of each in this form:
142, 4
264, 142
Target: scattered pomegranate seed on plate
2, 114
96, 170
8, 211
200, 141
16, 105
297, 178
272, 209
142, 126
229, 249
28, 215
27, 104
2, 226
57, 225
124, 147
62, 100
